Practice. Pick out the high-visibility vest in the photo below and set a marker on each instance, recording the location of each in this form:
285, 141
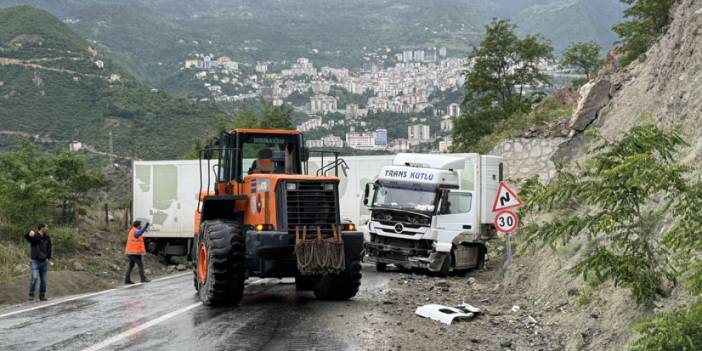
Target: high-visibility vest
135, 246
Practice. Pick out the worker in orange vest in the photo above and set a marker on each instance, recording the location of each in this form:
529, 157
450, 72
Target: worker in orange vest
134, 250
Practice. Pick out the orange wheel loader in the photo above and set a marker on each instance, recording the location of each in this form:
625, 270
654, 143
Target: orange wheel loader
265, 216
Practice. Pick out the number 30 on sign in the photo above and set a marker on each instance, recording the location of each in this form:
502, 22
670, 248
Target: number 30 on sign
506, 222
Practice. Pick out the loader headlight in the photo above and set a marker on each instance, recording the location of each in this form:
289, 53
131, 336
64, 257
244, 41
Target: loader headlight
328, 186
264, 227
291, 186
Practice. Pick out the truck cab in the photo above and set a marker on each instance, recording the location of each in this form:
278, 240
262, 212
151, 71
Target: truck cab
432, 212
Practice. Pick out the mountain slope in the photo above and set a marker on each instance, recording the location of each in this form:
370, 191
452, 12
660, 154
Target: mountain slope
52, 83
567, 21
152, 38
666, 85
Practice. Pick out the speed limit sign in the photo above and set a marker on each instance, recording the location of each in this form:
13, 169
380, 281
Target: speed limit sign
506, 222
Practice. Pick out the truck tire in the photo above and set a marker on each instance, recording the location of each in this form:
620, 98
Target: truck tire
381, 267
403, 269
445, 266
340, 286
481, 257
221, 263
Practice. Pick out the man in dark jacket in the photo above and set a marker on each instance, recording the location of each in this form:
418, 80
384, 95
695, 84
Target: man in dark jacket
41, 254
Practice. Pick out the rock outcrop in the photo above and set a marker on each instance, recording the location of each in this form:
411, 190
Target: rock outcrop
593, 97
666, 83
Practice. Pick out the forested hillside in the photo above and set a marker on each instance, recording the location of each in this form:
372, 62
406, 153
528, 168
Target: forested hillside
55, 85
151, 38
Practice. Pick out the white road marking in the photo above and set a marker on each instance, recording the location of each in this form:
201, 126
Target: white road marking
88, 295
139, 328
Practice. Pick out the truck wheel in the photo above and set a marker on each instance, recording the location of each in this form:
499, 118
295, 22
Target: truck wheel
403, 269
340, 286
381, 267
481, 257
220, 263
445, 266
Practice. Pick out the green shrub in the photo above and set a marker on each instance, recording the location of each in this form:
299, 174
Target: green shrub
616, 201
12, 254
679, 330
63, 240
585, 295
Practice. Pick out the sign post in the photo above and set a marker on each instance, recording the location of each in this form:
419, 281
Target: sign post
506, 221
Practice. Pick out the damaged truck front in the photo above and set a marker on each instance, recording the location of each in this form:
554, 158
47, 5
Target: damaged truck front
432, 212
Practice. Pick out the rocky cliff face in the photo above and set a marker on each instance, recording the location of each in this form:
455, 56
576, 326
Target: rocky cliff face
666, 82
666, 85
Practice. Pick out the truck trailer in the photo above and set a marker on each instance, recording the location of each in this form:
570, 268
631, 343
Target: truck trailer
432, 212
164, 193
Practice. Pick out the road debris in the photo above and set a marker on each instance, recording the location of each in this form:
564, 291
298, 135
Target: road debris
446, 314
530, 321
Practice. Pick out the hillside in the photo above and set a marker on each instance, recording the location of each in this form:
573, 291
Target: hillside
151, 39
54, 84
666, 85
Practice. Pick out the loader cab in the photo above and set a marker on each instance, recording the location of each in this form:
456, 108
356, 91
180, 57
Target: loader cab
242, 152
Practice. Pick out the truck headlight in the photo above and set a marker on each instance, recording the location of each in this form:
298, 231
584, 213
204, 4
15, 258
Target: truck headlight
328, 186
291, 186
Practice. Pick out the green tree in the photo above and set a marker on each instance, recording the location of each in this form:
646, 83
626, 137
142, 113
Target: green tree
26, 189
246, 119
504, 80
272, 117
678, 330
74, 184
648, 20
618, 200
583, 56
278, 117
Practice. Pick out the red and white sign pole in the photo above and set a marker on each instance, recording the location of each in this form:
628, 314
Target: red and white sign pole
506, 221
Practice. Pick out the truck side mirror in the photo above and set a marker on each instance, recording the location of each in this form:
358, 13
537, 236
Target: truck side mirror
366, 192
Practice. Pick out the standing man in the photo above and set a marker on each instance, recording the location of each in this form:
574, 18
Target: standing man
41, 254
134, 250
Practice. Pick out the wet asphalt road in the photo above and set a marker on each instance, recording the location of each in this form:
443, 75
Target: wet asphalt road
166, 315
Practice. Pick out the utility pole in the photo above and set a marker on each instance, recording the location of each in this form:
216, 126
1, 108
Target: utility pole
111, 151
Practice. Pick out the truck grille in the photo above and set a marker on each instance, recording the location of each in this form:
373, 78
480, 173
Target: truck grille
312, 204
408, 220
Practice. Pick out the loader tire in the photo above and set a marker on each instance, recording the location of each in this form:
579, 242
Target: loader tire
221, 263
381, 267
340, 286
195, 282
193, 256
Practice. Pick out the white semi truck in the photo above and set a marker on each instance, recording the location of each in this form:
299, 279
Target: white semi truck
432, 211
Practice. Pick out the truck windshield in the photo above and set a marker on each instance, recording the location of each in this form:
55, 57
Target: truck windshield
404, 199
